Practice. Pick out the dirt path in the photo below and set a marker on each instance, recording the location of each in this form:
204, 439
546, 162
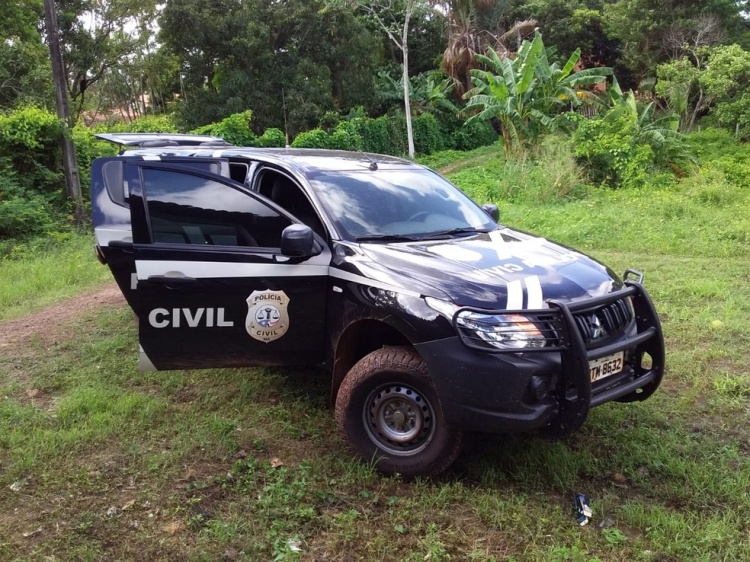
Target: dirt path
48, 322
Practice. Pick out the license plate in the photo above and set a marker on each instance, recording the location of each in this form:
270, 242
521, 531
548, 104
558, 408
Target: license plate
606, 366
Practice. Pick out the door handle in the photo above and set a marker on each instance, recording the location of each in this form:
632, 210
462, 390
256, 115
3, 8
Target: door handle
172, 282
126, 247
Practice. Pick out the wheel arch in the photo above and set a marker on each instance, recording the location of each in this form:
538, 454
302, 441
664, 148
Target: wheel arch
358, 340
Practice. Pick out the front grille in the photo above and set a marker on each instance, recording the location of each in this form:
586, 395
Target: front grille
604, 323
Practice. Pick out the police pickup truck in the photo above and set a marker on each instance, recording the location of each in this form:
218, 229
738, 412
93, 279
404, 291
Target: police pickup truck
430, 317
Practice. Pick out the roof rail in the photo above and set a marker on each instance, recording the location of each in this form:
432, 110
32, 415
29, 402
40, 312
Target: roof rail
147, 140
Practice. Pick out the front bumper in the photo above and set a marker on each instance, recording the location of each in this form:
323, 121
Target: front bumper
549, 388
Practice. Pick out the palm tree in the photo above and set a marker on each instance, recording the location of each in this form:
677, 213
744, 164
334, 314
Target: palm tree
465, 41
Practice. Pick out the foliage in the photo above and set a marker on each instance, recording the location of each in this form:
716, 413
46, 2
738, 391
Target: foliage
316, 138
291, 61
271, 138
678, 83
625, 146
428, 137
385, 135
466, 39
726, 79
719, 151
469, 135
573, 24
527, 92
98, 36
428, 92
23, 212
25, 76
547, 173
717, 80
30, 145
145, 124
234, 129
655, 31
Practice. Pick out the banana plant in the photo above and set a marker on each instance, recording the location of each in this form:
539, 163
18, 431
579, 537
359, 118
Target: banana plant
527, 93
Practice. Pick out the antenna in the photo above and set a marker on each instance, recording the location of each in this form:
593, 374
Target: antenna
286, 128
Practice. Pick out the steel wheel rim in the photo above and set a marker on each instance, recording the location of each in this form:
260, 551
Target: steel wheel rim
399, 419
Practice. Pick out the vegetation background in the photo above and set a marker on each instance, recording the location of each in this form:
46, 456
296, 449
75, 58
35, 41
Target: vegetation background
615, 126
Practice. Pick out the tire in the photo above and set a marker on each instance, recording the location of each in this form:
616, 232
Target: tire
389, 413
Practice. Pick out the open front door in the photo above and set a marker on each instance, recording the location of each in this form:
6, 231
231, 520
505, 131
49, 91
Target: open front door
212, 287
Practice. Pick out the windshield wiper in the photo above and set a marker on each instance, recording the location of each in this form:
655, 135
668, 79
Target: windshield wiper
454, 232
388, 238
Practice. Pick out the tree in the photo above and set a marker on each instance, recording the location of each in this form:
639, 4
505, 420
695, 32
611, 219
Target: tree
526, 92
289, 62
394, 18
647, 28
24, 60
714, 80
98, 35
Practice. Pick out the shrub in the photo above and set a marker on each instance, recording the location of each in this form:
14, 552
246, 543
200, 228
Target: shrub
234, 129
428, 136
344, 139
145, 124
469, 136
23, 213
271, 138
317, 138
88, 148
720, 151
30, 143
619, 150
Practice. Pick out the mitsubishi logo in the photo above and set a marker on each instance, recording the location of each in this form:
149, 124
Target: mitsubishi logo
596, 330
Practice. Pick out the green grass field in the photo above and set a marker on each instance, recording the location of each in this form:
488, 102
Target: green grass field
99, 461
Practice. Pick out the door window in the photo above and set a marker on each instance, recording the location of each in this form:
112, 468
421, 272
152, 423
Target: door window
185, 208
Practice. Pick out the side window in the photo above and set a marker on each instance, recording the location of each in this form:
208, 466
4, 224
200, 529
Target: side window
189, 209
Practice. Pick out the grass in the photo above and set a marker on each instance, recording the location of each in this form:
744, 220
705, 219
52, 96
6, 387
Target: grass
111, 463
36, 274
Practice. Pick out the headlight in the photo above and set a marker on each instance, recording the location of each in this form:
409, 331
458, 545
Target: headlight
503, 331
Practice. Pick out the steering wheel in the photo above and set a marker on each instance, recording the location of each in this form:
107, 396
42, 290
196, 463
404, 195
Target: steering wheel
419, 215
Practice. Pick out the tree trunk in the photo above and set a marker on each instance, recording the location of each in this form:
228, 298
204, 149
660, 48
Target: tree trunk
70, 166
407, 98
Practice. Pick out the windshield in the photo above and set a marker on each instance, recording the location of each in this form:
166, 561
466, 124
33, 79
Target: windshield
397, 205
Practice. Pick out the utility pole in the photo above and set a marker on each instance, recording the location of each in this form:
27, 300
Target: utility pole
70, 166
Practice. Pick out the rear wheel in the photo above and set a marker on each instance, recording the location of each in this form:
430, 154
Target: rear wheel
388, 411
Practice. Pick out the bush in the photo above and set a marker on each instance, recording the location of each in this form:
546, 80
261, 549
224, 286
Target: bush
234, 129
345, 139
428, 136
317, 138
720, 151
469, 136
271, 138
609, 153
145, 124
387, 135
23, 213
30, 145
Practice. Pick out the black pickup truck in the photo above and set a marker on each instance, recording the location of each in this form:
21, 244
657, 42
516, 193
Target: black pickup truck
429, 316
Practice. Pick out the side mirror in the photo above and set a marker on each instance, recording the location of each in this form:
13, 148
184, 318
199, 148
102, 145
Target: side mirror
297, 241
492, 211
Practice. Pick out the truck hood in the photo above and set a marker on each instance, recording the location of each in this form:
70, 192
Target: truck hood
502, 269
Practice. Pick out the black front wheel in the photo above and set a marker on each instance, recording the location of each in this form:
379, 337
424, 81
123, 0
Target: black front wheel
388, 411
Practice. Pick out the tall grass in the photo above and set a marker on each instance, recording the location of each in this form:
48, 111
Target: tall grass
34, 275
701, 215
